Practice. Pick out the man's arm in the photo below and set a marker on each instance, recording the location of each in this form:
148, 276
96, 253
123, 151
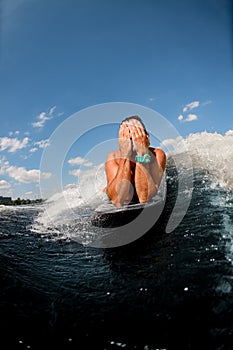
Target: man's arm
148, 176
118, 169
118, 174
146, 186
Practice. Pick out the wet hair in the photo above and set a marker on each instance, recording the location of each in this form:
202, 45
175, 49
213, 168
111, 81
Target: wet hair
137, 118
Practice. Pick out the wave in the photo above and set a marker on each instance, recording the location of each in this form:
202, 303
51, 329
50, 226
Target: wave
210, 152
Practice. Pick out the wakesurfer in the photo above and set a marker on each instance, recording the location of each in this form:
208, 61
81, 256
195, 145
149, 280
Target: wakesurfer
135, 170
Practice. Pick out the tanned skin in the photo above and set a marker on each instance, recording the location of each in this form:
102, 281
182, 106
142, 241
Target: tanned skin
124, 175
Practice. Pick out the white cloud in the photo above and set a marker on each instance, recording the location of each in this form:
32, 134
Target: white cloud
4, 184
171, 142
22, 175
88, 164
29, 193
15, 133
206, 103
42, 143
51, 111
79, 161
75, 172
190, 106
76, 161
191, 117
12, 144
177, 145
229, 133
3, 164
42, 117
41, 120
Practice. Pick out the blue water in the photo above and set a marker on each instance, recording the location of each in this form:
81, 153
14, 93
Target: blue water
163, 291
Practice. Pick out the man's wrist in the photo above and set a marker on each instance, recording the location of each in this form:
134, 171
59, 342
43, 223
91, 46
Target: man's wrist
145, 159
142, 151
125, 155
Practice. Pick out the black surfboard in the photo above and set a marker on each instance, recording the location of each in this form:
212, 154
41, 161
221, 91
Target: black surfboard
121, 216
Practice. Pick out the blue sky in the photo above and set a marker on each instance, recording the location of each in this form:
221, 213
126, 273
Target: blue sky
58, 57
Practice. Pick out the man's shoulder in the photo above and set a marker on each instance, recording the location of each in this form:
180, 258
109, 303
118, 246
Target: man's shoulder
159, 152
160, 155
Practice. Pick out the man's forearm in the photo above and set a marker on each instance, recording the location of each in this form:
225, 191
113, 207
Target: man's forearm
145, 185
119, 187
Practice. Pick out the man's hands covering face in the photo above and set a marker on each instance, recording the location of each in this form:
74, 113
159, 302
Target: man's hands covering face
132, 136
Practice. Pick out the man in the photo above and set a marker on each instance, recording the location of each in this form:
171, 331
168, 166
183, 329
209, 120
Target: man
135, 170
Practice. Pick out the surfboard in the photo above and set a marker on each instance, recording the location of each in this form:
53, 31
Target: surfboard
116, 217
107, 215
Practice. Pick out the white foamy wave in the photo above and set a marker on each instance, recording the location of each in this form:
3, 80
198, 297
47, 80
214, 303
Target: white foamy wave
66, 213
86, 195
212, 152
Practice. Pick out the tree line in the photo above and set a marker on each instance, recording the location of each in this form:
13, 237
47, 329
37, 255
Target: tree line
21, 201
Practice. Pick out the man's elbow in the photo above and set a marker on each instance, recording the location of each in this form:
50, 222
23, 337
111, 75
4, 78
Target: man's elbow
147, 197
114, 198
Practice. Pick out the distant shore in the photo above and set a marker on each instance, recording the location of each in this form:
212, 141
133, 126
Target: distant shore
21, 201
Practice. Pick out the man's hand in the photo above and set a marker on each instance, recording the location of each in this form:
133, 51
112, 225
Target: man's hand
125, 141
140, 138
